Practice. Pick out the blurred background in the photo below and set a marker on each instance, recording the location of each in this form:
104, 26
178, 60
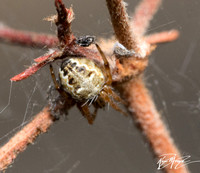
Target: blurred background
113, 143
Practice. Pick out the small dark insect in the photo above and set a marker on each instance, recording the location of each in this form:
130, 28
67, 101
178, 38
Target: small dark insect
85, 41
82, 82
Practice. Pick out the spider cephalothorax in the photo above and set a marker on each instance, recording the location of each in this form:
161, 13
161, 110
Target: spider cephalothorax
83, 82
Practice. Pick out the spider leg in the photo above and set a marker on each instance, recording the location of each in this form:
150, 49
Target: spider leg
86, 112
68, 101
105, 96
108, 90
106, 66
56, 84
99, 102
58, 88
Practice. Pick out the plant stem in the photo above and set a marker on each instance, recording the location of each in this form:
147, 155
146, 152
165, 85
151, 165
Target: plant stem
120, 24
144, 112
140, 104
27, 135
27, 38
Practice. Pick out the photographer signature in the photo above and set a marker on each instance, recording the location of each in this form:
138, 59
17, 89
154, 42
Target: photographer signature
173, 161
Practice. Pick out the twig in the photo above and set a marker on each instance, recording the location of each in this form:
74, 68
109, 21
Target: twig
27, 38
42, 61
146, 115
140, 103
63, 23
156, 38
143, 15
120, 24
19, 142
161, 37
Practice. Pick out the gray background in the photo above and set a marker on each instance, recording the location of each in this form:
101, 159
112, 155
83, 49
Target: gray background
113, 143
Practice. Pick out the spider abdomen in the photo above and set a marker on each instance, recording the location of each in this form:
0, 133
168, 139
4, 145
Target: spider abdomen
81, 78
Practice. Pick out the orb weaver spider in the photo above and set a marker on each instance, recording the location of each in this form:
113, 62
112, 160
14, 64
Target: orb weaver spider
82, 82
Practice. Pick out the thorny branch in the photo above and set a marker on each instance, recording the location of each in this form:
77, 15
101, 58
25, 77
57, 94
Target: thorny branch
133, 90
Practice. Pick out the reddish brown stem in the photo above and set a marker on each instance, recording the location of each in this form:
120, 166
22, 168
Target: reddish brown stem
35, 67
27, 135
138, 99
63, 23
162, 37
120, 24
143, 15
27, 38
146, 115
44, 57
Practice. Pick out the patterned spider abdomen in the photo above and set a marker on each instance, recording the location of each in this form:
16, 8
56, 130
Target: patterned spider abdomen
81, 78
